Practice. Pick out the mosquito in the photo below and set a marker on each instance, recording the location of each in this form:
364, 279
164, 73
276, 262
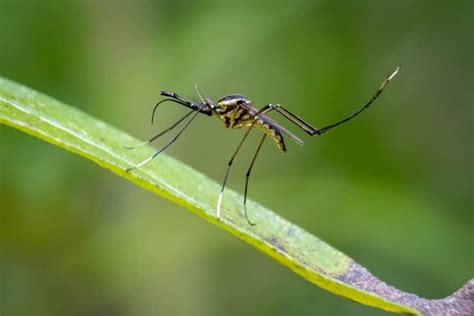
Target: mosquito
236, 111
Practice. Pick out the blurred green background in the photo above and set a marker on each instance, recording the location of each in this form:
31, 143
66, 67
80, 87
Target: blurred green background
392, 189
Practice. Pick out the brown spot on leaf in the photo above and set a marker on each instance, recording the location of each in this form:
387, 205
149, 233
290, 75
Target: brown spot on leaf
461, 303
277, 243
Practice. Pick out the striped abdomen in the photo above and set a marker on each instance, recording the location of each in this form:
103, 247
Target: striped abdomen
236, 111
238, 118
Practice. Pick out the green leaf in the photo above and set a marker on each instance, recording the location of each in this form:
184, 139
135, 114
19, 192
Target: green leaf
305, 254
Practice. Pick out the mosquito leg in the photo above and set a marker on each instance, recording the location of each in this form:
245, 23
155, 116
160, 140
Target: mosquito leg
229, 165
161, 133
247, 175
289, 116
166, 146
320, 131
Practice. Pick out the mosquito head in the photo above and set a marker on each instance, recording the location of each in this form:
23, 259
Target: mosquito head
204, 107
231, 101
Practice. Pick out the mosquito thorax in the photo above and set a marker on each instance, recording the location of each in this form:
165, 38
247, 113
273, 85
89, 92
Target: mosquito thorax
231, 101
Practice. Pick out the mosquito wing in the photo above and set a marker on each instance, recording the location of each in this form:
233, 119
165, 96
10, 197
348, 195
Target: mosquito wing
283, 130
253, 110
